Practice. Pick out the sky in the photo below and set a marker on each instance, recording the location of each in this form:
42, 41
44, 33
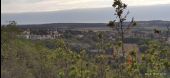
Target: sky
19, 6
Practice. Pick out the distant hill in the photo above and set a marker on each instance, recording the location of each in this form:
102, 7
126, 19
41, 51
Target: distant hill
140, 24
95, 15
63, 25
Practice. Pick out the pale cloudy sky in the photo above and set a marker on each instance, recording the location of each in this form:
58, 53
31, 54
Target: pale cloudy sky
16, 6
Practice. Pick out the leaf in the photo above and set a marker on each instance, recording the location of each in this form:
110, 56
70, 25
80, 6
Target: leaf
111, 24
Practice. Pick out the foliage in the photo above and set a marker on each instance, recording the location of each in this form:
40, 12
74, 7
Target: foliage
22, 58
118, 23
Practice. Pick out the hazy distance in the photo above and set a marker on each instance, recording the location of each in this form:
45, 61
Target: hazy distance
92, 15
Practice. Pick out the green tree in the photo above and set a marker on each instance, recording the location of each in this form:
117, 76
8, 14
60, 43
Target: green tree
119, 23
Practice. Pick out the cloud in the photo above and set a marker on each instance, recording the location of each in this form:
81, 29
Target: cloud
146, 2
53, 5
19, 1
13, 6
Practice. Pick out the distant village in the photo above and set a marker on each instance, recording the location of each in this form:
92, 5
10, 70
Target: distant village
44, 34
88, 31
27, 34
